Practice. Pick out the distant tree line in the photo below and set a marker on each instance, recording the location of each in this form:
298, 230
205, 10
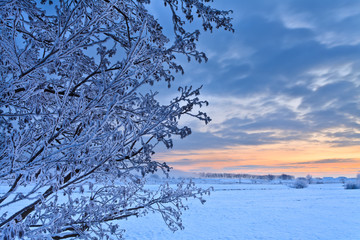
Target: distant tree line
248, 176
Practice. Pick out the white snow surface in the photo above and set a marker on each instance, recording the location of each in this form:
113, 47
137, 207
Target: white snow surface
261, 211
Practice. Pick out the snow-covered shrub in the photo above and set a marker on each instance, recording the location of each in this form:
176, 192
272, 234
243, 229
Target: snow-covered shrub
80, 118
309, 179
299, 183
352, 185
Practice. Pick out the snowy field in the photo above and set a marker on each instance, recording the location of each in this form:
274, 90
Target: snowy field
261, 211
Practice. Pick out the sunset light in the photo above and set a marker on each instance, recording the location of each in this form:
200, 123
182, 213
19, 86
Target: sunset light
298, 158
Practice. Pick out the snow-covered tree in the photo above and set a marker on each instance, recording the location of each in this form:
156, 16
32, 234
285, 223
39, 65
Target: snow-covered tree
78, 124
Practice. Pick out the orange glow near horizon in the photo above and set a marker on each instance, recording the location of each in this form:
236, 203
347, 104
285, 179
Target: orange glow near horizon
297, 158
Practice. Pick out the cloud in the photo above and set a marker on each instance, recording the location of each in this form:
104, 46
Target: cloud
189, 162
294, 19
243, 167
326, 161
223, 139
289, 72
333, 23
203, 169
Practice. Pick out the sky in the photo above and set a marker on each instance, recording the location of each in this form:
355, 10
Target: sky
284, 91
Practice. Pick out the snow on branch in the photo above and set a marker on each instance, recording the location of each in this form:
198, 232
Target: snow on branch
77, 130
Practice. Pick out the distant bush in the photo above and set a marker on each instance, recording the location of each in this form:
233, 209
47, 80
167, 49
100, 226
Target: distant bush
352, 186
299, 183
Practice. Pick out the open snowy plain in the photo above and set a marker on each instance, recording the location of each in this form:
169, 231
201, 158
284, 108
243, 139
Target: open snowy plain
261, 211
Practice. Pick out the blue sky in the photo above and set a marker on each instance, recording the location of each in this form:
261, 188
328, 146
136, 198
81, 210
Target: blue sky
288, 76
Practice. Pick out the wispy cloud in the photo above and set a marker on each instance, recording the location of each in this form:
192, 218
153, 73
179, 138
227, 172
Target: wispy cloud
253, 167
326, 161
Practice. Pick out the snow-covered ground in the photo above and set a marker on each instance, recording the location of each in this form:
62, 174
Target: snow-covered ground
261, 211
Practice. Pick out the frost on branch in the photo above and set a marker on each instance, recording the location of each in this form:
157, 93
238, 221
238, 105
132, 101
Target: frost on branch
77, 130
